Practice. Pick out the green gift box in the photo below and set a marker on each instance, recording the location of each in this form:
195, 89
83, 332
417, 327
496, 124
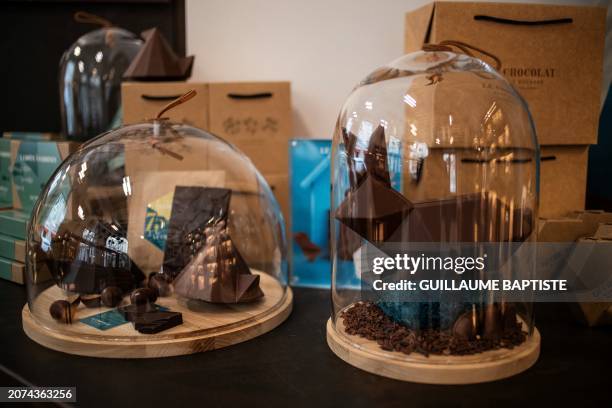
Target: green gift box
26, 164
6, 178
12, 248
14, 223
12, 271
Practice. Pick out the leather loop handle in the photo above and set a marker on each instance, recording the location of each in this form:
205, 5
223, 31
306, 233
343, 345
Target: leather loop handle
500, 20
447, 45
177, 101
88, 18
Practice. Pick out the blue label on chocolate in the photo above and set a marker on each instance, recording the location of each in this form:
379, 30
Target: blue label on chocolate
156, 220
105, 321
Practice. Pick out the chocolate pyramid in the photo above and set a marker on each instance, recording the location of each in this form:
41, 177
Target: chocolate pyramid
218, 273
374, 210
156, 61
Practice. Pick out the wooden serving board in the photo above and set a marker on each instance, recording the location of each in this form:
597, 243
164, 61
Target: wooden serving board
477, 368
205, 326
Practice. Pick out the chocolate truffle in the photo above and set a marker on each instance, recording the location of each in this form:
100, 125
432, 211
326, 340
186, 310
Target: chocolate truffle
111, 296
63, 311
144, 296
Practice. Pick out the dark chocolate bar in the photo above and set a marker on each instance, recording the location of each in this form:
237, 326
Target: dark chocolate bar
155, 322
193, 210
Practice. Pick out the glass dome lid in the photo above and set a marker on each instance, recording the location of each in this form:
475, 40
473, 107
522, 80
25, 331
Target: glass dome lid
157, 220
91, 72
434, 157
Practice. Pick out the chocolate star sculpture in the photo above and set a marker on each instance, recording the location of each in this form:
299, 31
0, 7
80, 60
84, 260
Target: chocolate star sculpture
372, 208
216, 273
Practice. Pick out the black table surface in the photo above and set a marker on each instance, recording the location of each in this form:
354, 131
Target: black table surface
292, 366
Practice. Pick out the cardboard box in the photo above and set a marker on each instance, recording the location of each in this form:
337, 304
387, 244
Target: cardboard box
256, 117
563, 179
563, 174
14, 223
143, 100
12, 248
12, 271
580, 224
310, 201
32, 163
556, 65
594, 226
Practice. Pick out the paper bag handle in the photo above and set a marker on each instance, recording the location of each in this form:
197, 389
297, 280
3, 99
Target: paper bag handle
501, 20
260, 95
160, 97
548, 158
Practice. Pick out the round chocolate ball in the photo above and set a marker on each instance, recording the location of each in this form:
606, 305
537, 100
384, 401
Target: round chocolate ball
140, 297
62, 311
111, 296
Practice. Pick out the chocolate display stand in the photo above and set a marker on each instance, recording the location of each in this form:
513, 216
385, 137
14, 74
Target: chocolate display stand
445, 339
239, 301
379, 214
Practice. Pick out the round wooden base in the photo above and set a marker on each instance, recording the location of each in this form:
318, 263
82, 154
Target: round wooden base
205, 326
488, 366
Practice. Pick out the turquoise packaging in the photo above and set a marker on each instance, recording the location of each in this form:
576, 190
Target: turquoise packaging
14, 223
12, 248
310, 199
6, 179
11, 270
31, 135
27, 161
32, 167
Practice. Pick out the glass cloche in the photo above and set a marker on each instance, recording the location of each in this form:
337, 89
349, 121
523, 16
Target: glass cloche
434, 181
91, 71
155, 232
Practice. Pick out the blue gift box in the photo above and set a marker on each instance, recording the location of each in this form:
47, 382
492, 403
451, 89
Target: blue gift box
310, 201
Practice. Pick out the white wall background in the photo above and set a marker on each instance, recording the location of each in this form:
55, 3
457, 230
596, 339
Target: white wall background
324, 47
